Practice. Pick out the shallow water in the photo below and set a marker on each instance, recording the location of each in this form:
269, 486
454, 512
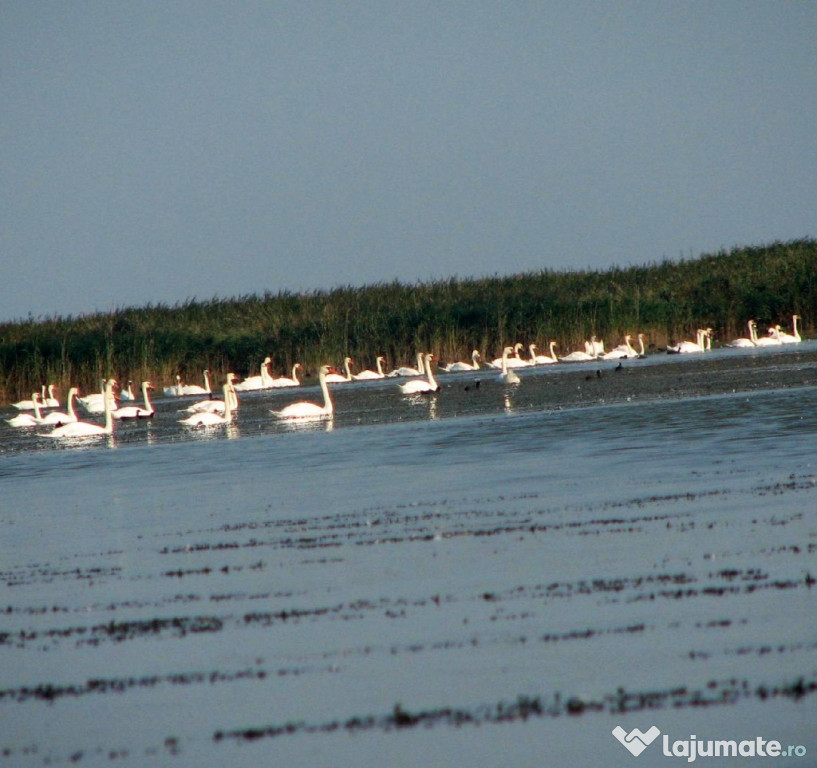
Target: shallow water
487, 576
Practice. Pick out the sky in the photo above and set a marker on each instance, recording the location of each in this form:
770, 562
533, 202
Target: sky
155, 152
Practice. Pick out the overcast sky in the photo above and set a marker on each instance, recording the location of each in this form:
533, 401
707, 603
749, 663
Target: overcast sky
154, 152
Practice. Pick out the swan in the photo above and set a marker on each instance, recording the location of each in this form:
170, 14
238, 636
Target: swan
95, 402
127, 393
337, 378
594, 347
511, 362
422, 386
765, 341
744, 342
701, 344
27, 419
262, 381
212, 405
508, 375
181, 390
371, 375
790, 338
29, 405
624, 350
543, 359
284, 381
578, 356
85, 428
49, 401
472, 366
211, 419
58, 418
135, 411
307, 410
408, 371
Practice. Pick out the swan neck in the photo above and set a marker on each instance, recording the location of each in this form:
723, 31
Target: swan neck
328, 406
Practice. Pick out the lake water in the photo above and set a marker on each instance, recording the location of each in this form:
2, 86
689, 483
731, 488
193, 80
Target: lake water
486, 576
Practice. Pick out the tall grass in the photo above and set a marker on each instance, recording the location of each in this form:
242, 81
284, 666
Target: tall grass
667, 301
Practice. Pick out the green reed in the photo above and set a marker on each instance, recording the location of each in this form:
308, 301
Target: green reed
667, 301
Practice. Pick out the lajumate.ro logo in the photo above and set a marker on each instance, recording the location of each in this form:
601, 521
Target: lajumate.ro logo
636, 741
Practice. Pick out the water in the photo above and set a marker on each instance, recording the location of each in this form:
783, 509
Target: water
486, 576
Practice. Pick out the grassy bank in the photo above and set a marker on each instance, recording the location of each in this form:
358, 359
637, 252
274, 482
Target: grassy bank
667, 301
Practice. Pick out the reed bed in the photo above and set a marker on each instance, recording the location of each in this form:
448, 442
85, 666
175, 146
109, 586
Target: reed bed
665, 300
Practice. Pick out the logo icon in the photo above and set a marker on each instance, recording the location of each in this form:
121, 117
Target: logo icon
635, 740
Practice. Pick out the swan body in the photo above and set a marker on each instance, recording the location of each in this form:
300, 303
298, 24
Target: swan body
789, 338
57, 418
624, 350
49, 401
508, 375
306, 410
135, 411
336, 378
422, 386
372, 375
28, 405
182, 390
212, 419
28, 419
543, 359
263, 381
460, 366
594, 347
765, 341
406, 370
511, 362
127, 393
701, 344
577, 357
286, 381
744, 342
85, 428
95, 402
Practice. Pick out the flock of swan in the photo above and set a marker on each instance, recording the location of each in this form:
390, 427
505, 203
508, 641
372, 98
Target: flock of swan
212, 412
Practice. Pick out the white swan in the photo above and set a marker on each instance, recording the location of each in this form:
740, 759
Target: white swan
262, 381
58, 418
790, 338
336, 378
508, 375
49, 401
28, 405
594, 347
511, 362
460, 366
744, 342
765, 341
422, 386
135, 411
408, 371
624, 350
95, 402
85, 428
701, 344
182, 390
543, 359
285, 381
372, 375
578, 356
127, 393
27, 419
211, 419
307, 410
213, 405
